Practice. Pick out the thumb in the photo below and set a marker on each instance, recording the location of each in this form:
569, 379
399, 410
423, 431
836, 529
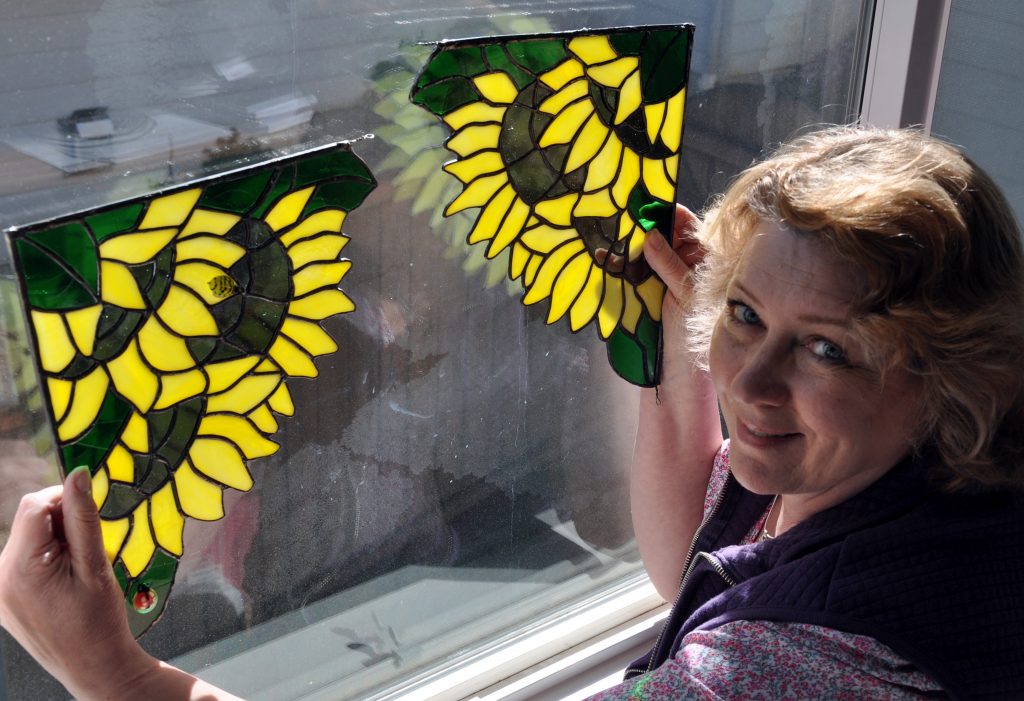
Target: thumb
82, 526
668, 264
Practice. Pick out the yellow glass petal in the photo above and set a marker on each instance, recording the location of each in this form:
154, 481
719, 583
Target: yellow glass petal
321, 305
611, 306
596, 204
557, 211
531, 270
139, 548
281, 401
267, 366
309, 336
482, 163
550, 270
475, 113
497, 87
477, 193
286, 212
136, 434
510, 229
672, 130
220, 461
86, 399
587, 303
576, 90
655, 115
636, 240
204, 280
292, 359
544, 239
324, 221
199, 497
205, 221
605, 165
492, 215
100, 487
630, 98
263, 419
318, 275
564, 127
133, 378
185, 314
168, 523
170, 210
239, 431
120, 465
179, 386
561, 74
631, 309
59, 392
652, 292
657, 180
163, 349
118, 287
520, 257
475, 138
136, 247
614, 73
56, 351
225, 373
568, 284
629, 174
245, 395
592, 137
593, 49
114, 533
318, 249
83, 324
209, 248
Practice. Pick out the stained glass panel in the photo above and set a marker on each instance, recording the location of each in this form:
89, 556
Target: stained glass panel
568, 145
166, 329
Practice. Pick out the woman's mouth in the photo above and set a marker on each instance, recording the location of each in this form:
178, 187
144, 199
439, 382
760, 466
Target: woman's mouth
759, 437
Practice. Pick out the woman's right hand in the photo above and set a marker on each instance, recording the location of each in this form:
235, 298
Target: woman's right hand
679, 432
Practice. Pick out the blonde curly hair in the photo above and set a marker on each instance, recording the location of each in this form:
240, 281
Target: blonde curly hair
944, 266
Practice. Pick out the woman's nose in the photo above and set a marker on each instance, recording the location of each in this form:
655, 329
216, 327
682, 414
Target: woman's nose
762, 377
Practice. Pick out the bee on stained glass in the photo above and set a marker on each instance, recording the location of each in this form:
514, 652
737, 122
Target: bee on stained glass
224, 286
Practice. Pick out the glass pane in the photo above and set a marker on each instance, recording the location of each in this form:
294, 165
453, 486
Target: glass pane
978, 104
457, 470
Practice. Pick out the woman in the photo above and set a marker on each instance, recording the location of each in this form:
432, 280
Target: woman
857, 319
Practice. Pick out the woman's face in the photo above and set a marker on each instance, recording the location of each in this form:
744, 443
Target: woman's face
807, 418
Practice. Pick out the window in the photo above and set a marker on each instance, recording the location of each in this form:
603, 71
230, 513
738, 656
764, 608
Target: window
456, 475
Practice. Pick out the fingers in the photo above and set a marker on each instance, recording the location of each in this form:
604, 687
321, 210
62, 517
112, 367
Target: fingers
32, 532
674, 263
82, 525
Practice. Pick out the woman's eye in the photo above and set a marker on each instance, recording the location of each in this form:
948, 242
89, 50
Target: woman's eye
743, 314
826, 350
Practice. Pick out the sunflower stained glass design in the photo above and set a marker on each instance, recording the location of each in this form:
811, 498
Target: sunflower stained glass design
568, 147
165, 330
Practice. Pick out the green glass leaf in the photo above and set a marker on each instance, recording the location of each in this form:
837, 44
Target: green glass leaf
663, 54
539, 55
94, 446
236, 195
627, 43
447, 95
636, 358
114, 221
156, 580
60, 267
343, 194
329, 166
282, 184
466, 61
500, 60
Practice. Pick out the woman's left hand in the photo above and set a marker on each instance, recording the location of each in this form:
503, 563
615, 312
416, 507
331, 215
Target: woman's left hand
59, 598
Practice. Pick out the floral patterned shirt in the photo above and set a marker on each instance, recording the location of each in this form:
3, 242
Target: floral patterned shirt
753, 660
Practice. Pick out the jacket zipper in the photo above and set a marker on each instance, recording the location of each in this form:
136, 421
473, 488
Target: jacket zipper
687, 567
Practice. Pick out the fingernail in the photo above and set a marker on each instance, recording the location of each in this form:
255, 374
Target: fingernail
81, 479
656, 240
